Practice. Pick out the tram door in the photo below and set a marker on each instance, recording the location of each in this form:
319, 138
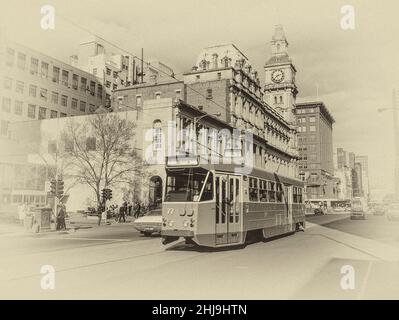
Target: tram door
228, 209
288, 195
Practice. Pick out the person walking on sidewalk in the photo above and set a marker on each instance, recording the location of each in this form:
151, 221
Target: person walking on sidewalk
122, 212
137, 209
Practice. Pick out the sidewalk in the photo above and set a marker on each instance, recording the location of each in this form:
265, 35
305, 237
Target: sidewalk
374, 248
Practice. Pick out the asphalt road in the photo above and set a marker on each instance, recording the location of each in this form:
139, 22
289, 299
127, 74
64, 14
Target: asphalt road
115, 262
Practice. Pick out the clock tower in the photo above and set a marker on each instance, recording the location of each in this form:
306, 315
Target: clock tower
280, 90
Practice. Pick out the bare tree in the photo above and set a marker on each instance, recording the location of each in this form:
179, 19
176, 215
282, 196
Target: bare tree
100, 151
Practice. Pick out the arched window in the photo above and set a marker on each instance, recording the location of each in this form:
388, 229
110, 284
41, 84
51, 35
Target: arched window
157, 135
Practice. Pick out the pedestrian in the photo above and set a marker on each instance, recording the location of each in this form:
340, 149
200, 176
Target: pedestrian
137, 209
62, 217
122, 212
129, 209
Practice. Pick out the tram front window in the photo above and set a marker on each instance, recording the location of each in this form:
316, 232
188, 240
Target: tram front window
186, 185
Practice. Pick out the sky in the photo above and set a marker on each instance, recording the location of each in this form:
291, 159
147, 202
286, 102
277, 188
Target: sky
355, 71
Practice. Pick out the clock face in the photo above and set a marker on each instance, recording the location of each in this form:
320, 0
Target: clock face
277, 76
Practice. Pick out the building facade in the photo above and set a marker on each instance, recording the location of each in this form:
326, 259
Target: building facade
315, 145
117, 70
363, 161
37, 86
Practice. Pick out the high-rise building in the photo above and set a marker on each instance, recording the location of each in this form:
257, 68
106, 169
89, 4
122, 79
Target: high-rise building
117, 69
315, 146
363, 160
36, 86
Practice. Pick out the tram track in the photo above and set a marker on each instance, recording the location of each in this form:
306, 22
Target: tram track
160, 252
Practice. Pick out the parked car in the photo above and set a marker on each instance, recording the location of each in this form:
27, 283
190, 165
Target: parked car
393, 212
150, 223
318, 211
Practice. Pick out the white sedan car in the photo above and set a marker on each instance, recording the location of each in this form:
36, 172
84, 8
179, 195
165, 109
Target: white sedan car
150, 223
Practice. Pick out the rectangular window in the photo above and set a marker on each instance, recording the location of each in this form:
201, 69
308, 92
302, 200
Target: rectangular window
100, 91
312, 128
114, 86
108, 71
303, 129
54, 97
157, 95
7, 83
92, 88
42, 113
19, 87
65, 78
53, 114
44, 69
63, 115
108, 84
6, 105
32, 111
21, 61
253, 189
82, 106
271, 191
91, 144
34, 66
74, 104
64, 101
56, 74
92, 108
115, 75
32, 91
83, 84
263, 190
312, 119
75, 81
18, 107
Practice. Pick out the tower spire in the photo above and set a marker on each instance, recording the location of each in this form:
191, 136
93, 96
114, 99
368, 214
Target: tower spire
279, 42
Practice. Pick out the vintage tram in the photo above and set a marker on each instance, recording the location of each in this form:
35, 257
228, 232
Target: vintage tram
212, 205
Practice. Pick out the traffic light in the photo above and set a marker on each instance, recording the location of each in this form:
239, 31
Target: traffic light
53, 187
60, 189
106, 194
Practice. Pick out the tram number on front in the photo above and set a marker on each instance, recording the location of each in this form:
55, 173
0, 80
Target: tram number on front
171, 211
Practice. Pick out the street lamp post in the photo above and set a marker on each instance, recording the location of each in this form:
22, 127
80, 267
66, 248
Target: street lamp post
395, 139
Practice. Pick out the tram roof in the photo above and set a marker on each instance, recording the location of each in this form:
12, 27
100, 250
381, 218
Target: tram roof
232, 168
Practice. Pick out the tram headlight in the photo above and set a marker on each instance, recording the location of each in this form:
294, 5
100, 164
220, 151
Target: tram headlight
191, 213
186, 223
171, 223
192, 223
164, 221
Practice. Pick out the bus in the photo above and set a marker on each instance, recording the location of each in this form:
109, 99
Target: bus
213, 206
